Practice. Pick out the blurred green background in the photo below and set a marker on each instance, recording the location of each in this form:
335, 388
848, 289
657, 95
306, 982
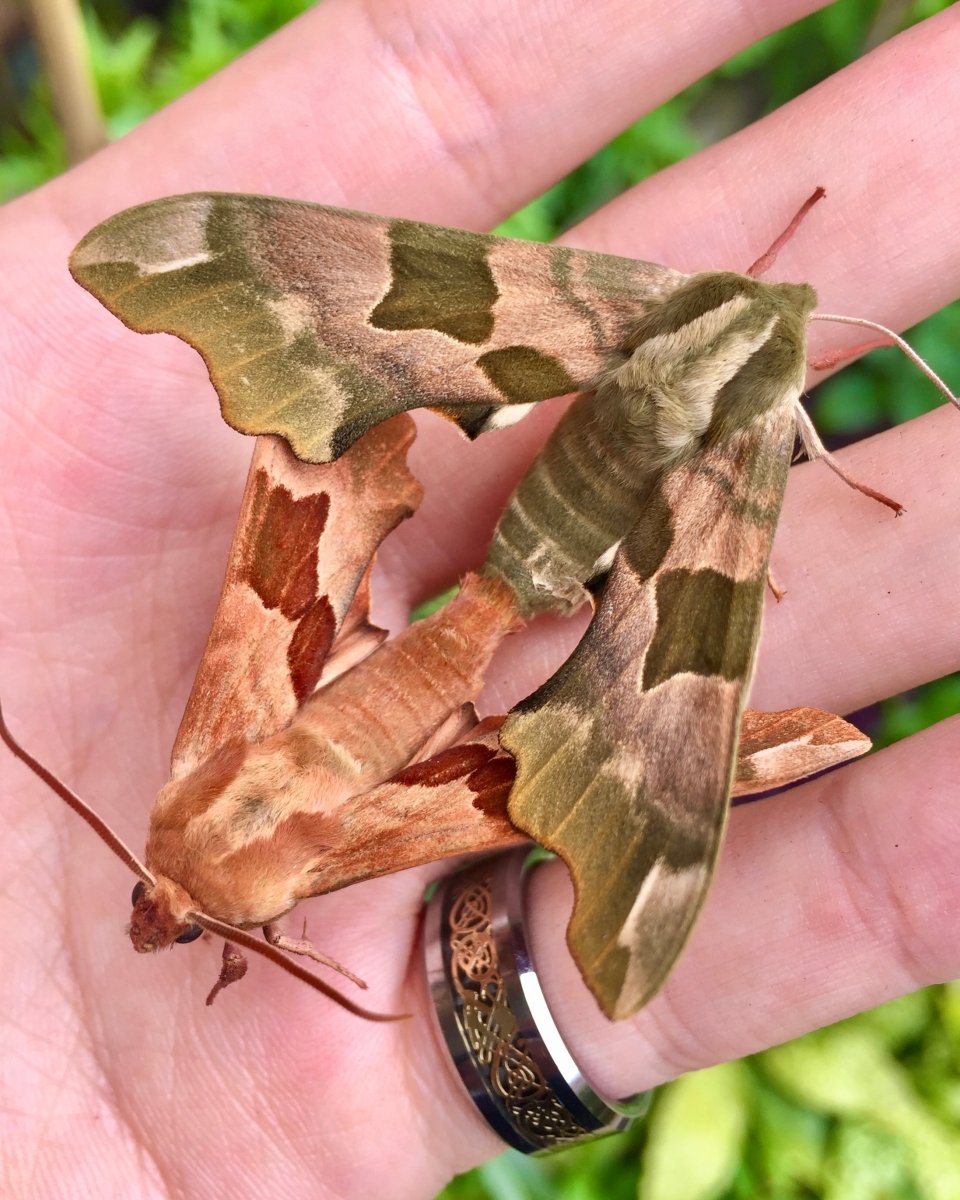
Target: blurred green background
865, 1110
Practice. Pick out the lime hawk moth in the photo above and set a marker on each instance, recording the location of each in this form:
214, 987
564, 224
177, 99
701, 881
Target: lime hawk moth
314, 753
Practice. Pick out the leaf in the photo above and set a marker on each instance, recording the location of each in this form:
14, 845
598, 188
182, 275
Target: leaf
696, 1135
867, 1163
846, 1071
787, 1142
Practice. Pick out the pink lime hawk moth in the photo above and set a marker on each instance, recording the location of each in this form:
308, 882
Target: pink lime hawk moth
313, 753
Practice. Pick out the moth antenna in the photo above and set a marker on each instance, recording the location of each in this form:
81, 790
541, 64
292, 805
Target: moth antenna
80, 807
897, 340
766, 261
815, 449
242, 938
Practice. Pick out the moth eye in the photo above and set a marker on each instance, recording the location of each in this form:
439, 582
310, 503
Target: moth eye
190, 935
138, 890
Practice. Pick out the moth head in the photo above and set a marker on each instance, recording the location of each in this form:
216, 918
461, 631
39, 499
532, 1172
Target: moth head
162, 915
162, 912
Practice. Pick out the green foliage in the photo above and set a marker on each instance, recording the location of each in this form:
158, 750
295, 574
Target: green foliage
886, 1132
139, 66
916, 710
429, 607
862, 1111
119, 62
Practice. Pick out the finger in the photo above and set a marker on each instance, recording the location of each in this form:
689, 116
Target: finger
442, 112
827, 901
867, 613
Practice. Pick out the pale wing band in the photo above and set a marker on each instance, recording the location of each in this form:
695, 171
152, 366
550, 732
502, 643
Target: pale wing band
495, 1021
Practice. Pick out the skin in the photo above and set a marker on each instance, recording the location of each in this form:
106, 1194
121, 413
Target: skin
120, 488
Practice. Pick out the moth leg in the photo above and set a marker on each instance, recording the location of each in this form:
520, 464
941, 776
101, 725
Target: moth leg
816, 449
232, 969
769, 257
302, 945
777, 591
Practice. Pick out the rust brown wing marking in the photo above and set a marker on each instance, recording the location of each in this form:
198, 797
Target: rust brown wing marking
317, 323
625, 757
452, 803
782, 747
305, 538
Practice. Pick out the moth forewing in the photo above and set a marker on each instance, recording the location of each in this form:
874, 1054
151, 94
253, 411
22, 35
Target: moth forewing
295, 585
453, 802
304, 540
262, 757
317, 323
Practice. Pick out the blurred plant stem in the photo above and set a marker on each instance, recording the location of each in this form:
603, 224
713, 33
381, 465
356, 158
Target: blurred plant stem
887, 20
62, 42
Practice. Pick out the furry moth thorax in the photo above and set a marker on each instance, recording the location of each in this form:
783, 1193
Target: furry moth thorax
703, 363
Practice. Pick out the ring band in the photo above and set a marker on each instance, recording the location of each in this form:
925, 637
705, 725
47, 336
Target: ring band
503, 1041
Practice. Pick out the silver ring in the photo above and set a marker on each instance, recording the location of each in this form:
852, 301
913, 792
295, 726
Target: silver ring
495, 1021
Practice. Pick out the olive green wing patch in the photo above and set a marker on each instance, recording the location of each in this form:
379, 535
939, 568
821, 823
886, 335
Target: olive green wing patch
626, 756
318, 323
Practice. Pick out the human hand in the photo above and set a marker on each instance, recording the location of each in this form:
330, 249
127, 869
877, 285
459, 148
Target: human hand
120, 491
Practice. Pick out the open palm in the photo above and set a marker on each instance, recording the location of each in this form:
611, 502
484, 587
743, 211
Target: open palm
120, 487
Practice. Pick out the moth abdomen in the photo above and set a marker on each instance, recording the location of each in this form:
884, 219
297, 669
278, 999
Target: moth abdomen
572, 508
